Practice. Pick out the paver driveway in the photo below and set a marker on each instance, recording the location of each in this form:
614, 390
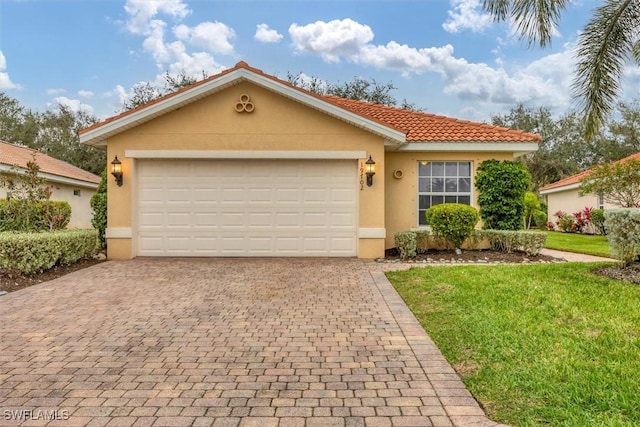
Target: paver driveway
249, 342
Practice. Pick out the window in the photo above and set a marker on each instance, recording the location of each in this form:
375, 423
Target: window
442, 182
600, 201
76, 192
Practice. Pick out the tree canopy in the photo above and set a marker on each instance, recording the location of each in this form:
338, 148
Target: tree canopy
359, 89
616, 182
53, 132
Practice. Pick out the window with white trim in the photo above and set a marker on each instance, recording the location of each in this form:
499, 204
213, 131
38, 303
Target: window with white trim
442, 182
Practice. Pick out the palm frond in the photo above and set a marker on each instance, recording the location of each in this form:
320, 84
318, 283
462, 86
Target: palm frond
534, 21
636, 51
604, 48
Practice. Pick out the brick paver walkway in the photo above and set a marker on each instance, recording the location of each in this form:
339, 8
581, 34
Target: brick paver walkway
223, 342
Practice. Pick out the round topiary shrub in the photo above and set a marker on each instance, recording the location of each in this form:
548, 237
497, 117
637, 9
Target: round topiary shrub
452, 221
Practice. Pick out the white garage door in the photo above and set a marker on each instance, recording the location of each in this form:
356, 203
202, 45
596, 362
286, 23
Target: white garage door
247, 207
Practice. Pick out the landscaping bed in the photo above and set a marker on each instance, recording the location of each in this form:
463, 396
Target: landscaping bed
468, 257
11, 281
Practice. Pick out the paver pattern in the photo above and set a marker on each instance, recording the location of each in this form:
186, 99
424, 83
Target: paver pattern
223, 342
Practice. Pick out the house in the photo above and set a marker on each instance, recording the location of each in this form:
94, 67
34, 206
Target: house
68, 183
245, 164
565, 195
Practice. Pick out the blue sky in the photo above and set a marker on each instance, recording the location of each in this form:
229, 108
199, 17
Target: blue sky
445, 56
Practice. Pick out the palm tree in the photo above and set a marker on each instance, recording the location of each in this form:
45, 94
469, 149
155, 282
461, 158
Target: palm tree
606, 44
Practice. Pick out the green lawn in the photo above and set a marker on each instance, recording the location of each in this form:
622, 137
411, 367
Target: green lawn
579, 243
543, 344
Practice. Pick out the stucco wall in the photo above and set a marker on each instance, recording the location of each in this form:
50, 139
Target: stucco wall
213, 124
80, 208
571, 201
402, 194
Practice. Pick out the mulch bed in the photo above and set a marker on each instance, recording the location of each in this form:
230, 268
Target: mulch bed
11, 281
629, 274
469, 257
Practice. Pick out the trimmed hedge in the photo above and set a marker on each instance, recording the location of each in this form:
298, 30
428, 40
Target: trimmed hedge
405, 242
29, 253
529, 242
22, 215
623, 232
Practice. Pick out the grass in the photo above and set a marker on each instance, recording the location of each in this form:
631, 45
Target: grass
579, 243
544, 344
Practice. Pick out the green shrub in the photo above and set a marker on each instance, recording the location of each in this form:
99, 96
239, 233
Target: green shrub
540, 219
529, 242
405, 242
501, 189
26, 215
566, 223
452, 221
99, 206
623, 229
597, 219
424, 241
29, 253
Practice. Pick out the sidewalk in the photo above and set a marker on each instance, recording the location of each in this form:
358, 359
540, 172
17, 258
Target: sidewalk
573, 257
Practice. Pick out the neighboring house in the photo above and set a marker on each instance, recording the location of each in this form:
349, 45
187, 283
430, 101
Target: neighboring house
68, 183
245, 164
565, 195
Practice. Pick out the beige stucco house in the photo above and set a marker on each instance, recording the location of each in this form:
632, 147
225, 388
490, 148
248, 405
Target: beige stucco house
245, 164
565, 195
68, 183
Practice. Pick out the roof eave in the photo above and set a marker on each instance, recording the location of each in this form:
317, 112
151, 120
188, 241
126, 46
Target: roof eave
99, 135
561, 188
58, 179
518, 148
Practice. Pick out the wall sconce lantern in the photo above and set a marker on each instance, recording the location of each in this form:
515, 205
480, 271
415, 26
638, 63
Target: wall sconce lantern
116, 170
371, 170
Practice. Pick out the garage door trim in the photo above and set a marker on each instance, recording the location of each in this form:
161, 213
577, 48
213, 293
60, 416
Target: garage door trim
242, 154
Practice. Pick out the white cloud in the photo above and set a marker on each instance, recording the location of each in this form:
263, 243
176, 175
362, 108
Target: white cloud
545, 81
184, 53
56, 91
142, 12
74, 105
265, 34
85, 94
466, 15
213, 36
331, 40
5, 80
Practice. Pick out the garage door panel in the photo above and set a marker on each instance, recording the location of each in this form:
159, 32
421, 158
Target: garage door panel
247, 208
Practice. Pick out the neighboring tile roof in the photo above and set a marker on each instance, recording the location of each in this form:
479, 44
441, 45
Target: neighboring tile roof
14, 155
418, 126
577, 178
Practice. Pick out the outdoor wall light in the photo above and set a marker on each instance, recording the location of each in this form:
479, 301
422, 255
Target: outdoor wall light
116, 170
371, 170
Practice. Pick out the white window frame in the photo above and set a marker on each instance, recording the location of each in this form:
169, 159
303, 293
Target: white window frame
419, 193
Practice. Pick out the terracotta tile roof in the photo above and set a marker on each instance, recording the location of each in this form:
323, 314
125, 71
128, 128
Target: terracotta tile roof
418, 126
425, 127
577, 178
14, 155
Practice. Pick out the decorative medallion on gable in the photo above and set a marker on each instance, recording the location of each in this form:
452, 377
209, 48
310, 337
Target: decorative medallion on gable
244, 105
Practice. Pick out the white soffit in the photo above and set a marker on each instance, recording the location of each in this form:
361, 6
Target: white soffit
99, 135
